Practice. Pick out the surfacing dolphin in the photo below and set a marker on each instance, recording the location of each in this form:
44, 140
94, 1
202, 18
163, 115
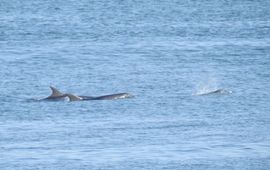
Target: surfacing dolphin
57, 95
73, 97
216, 91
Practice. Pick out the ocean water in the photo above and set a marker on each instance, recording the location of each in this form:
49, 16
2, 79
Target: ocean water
164, 52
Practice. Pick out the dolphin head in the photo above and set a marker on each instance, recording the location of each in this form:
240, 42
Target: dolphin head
73, 97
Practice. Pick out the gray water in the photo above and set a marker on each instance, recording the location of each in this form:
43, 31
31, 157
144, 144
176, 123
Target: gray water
164, 53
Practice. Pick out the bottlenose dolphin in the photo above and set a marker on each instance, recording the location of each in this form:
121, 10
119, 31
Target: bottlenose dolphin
73, 97
57, 95
217, 91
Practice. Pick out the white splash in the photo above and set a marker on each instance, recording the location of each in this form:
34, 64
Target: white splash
206, 86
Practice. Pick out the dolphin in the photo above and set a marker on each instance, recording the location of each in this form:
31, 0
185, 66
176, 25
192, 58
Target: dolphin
57, 95
73, 97
217, 91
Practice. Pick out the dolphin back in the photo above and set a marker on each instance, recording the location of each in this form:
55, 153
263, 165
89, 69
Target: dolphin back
114, 96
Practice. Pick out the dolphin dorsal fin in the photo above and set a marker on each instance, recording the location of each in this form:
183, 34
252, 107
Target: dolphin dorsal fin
55, 92
73, 97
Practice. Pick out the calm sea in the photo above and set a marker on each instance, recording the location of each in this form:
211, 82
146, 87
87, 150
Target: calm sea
162, 51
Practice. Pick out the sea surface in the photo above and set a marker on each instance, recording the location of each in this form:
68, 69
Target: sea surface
165, 53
